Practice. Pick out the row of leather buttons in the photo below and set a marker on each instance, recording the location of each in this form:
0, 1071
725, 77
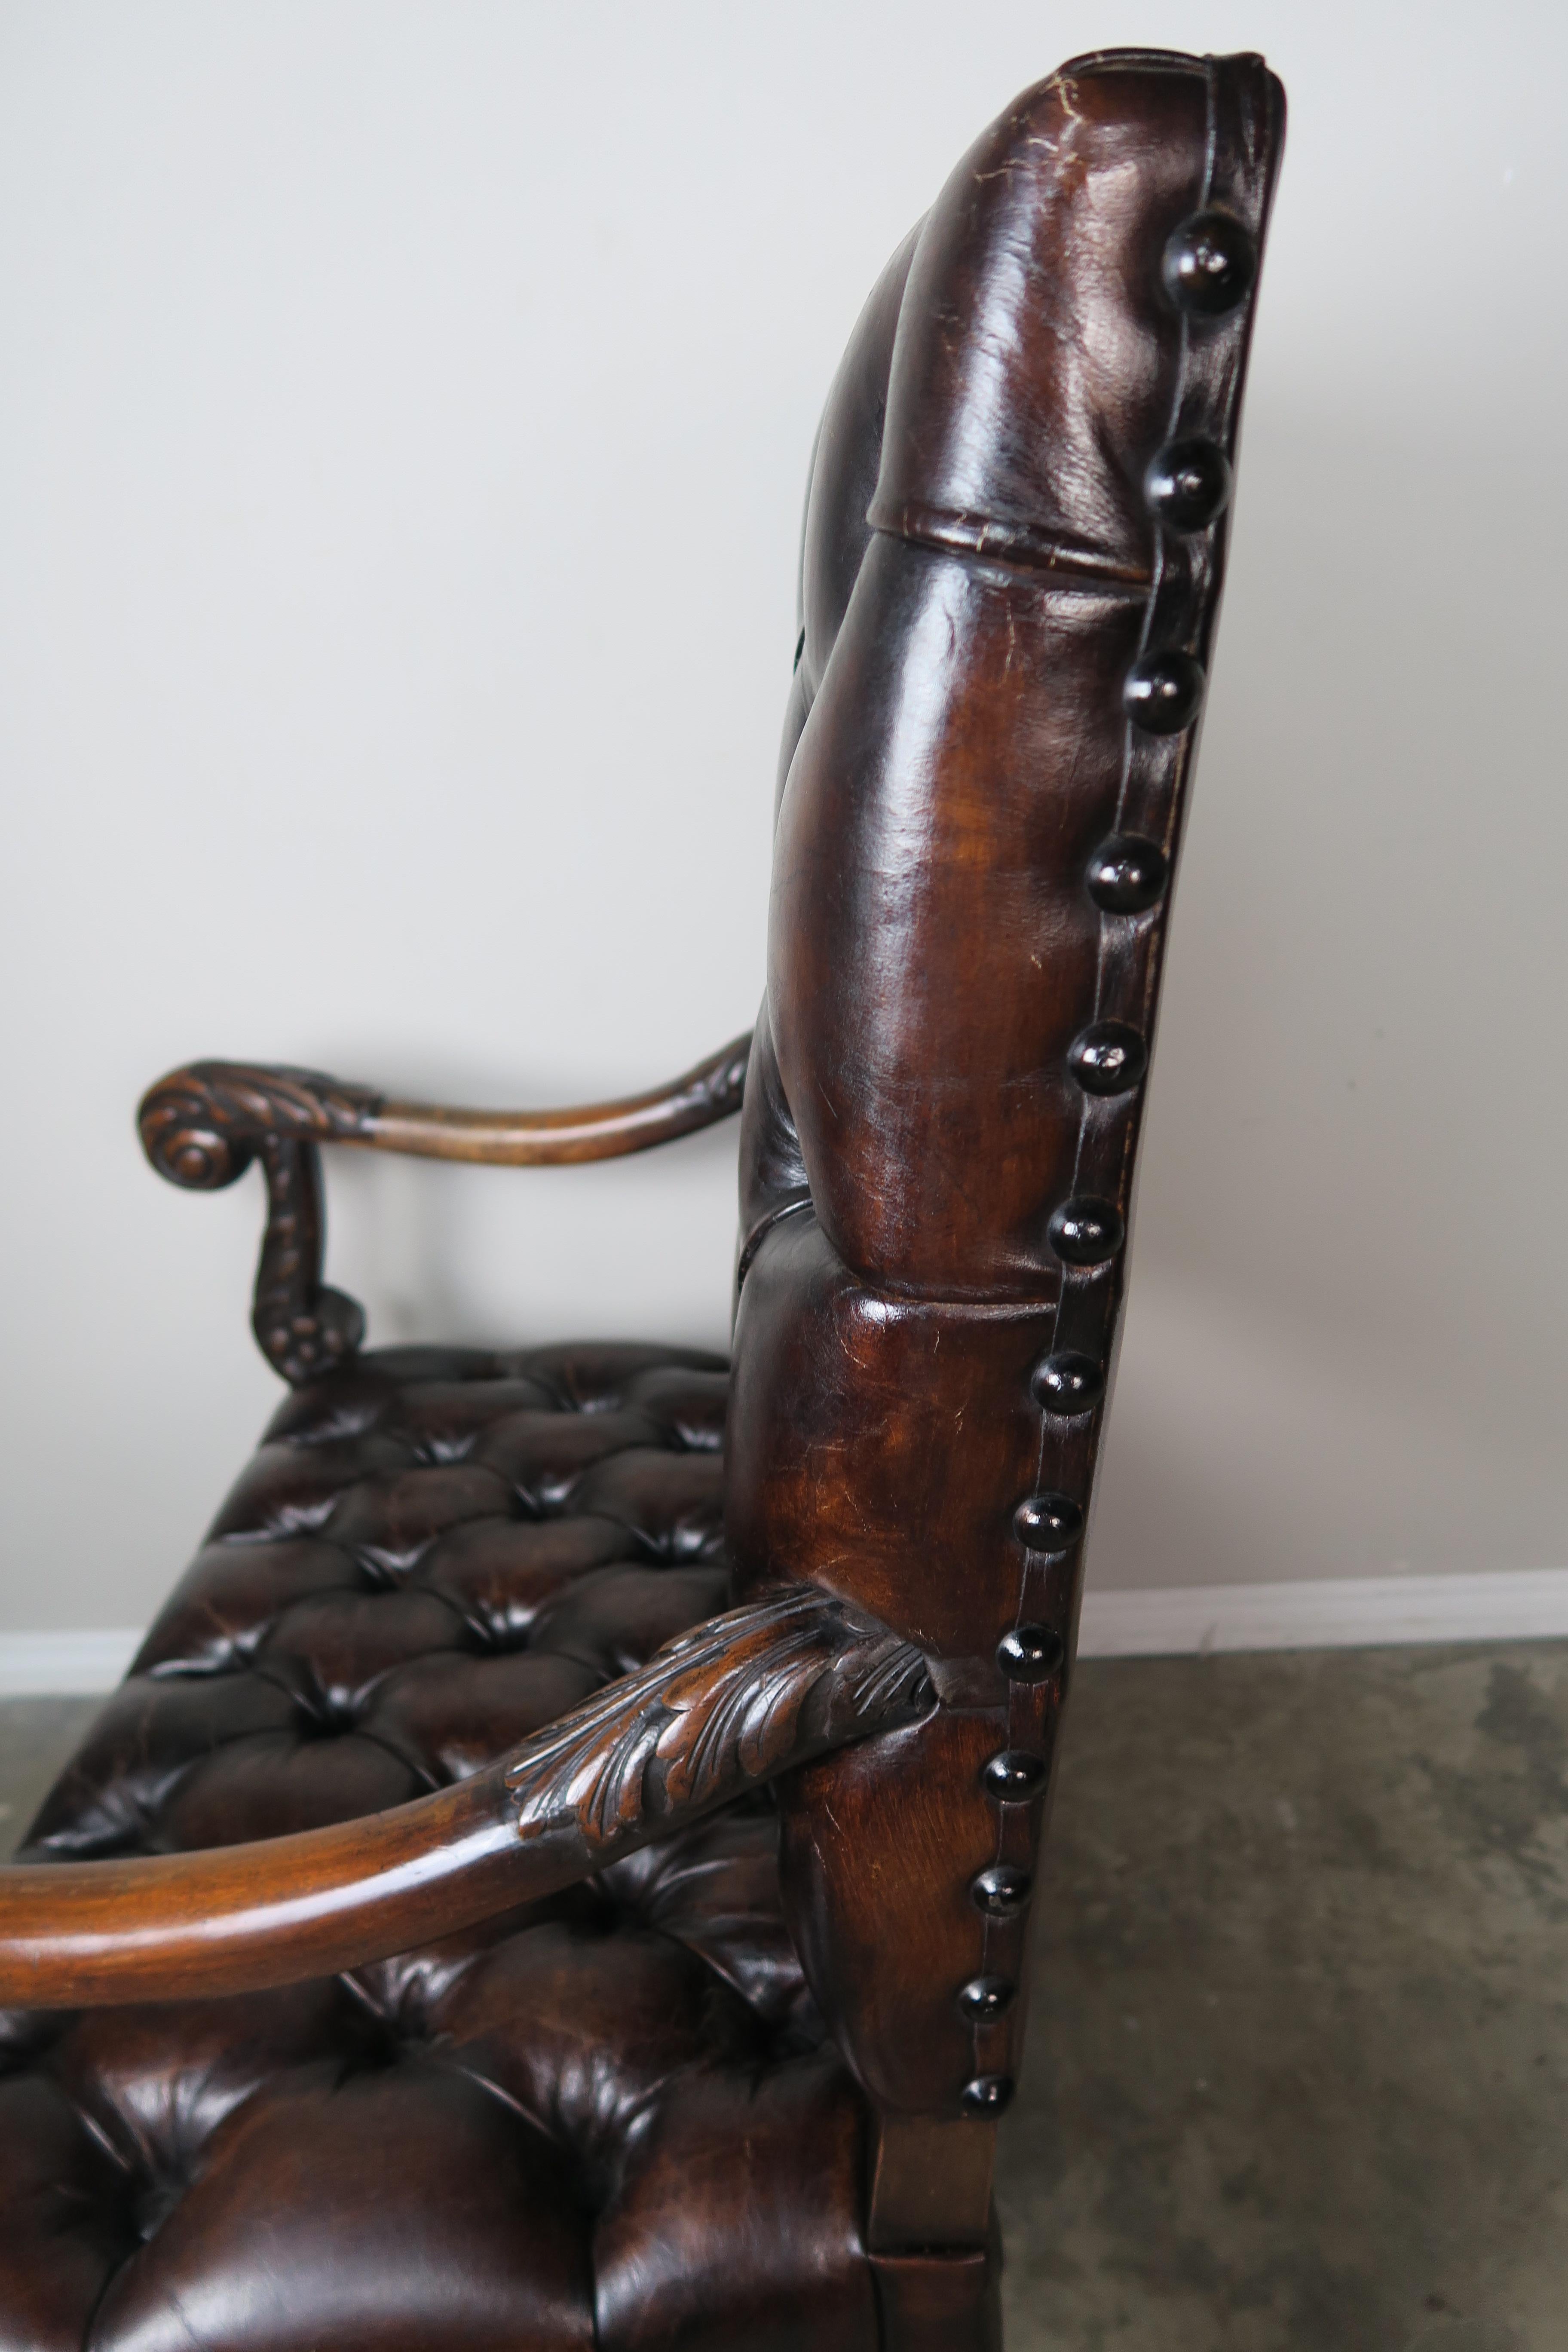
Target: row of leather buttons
1126, 877
1208, 270
1047, 1523
1012, 1776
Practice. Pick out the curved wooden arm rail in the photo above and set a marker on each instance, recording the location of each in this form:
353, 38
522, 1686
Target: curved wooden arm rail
201, 1126
745, 1696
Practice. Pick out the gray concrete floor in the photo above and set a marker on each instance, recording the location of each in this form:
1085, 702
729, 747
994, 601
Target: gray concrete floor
36, 1735
1298, 2054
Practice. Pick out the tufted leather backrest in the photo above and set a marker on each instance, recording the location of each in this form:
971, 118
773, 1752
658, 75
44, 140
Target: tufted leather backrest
1013, 550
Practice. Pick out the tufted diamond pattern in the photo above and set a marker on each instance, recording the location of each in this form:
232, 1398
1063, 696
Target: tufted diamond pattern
494, 2141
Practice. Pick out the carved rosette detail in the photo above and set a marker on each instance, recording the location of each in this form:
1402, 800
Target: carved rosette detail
745, 1696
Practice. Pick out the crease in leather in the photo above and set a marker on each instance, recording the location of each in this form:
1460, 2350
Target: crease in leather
1020, 546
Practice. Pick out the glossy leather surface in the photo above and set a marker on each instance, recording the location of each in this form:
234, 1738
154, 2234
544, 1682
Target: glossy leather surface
932, 951
492, 2142
985, 773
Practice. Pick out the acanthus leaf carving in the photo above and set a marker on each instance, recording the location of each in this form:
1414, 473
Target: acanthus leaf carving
762, 1687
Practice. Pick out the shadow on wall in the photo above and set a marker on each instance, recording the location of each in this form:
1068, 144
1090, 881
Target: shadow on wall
1346, 1346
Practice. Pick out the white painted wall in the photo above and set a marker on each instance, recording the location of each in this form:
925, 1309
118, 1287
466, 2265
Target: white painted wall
403, 424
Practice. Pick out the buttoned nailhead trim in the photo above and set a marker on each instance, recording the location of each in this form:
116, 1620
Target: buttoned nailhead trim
983, 1998
1127, 875
1086, 1231
1109, 1057
1001, 1892
1163, 691
1067, 1384
1187, 484
1030, 1653
1012, 1776
1209, 263
987, 2094
1048, 1523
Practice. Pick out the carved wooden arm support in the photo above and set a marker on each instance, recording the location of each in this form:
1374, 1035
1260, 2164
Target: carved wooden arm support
203, 1125
744, 1697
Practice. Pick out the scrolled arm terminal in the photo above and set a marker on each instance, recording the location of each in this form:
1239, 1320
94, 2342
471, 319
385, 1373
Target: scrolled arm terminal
202, 1126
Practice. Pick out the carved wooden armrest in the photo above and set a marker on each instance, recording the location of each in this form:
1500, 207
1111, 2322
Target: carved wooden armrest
744, 1697
201, 1126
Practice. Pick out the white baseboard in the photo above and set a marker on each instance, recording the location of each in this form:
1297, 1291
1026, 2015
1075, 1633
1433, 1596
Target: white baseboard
1330, 1613
66, 1666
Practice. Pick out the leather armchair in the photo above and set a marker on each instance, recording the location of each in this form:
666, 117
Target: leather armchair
558, 1870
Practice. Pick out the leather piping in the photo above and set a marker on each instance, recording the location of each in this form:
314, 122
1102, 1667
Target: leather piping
764, 1227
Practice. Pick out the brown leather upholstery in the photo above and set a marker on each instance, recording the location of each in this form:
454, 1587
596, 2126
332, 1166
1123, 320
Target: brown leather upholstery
615, 2119
489, 2143
989, 569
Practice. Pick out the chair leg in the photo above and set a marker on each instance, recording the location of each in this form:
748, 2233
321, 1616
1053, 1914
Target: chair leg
931, 2185
939, 2302
932, 2236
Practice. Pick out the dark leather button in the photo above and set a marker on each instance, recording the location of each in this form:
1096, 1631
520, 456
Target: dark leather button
1030, 1653
1066, 1382
1109, 1057
1012, 1776
1126, 874
1001, 1892
1085, 1232
983, 1998
1048, 1522
1209, 265
1163, 692
1187, 484
988, 2094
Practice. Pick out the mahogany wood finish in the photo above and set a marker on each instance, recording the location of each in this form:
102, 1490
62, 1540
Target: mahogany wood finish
203, 1125
200, 1124
932, 2186
716, 1713
671, 2067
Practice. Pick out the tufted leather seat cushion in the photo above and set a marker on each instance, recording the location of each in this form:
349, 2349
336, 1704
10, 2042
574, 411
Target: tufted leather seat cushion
610, 2119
